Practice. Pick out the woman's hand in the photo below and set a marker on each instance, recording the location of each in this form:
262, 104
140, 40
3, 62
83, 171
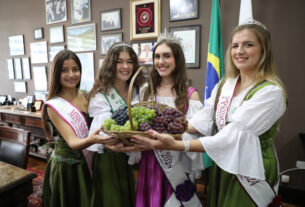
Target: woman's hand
162, 141
105, 140
120, 147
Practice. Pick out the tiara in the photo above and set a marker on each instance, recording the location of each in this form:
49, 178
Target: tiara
170, 37
122, 44
253, 21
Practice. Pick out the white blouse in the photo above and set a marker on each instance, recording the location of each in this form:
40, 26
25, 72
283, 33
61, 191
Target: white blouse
236, 148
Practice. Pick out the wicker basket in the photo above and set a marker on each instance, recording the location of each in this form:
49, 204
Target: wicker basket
125, 136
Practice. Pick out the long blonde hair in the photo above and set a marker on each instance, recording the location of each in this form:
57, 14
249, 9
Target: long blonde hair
265, 69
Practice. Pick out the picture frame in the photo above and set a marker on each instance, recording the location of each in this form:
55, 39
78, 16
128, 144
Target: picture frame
39, 52
20, 87
56, 11
38, 33
100, 62
183, 10
10, 69
40, 95
53, 50
111, 20
56, 34
145, 19
109, 39
144, 51
16, 45
82, 38
38, 105
80, 11
87, 79
190, 36
26, 68
18, 68
40, 78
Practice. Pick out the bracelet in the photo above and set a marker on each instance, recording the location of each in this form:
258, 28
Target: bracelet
186, 145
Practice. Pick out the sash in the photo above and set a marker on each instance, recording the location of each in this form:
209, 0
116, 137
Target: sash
181, 181
260, 191
114, 99
76, 120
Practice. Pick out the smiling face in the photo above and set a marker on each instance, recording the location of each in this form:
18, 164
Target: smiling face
70, 74
246, 51
164, 60
124, 67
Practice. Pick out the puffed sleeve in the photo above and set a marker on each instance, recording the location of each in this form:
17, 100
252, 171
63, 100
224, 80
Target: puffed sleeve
99, 109
236, 148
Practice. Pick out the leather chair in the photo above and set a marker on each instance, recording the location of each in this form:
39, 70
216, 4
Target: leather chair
14, 146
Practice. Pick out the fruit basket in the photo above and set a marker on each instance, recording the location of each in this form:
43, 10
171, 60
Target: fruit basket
167, 119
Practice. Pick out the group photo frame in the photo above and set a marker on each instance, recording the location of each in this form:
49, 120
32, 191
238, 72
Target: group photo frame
109, 39
111, 20
190, 36
183, 9
56, 11
145, 19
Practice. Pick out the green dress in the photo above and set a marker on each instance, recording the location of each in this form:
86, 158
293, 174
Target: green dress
67, 180
225, 189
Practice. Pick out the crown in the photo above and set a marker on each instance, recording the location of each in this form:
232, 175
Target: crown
122, 44
170, 37
253, 21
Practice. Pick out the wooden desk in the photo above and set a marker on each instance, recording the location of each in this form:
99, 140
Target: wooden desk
15, 185
31, 121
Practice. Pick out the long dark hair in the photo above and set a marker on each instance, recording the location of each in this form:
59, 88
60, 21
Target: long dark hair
179, 75
107, 72
55, 86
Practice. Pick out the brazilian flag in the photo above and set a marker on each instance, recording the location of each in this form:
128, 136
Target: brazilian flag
215, 65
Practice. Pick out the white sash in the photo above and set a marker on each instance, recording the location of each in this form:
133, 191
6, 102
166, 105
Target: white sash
260, 191
181, 182
75, 119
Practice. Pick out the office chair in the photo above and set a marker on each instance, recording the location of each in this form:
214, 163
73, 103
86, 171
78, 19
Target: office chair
14, 146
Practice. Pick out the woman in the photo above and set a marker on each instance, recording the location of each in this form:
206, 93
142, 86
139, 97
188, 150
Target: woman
113, 177
163, 183
67, 179
246, 108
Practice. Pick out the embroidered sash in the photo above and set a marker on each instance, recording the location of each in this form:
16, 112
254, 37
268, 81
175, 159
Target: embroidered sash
260, 191
114, 99
76, 120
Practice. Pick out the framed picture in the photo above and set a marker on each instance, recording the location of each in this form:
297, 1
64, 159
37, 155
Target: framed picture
87, 79
16, 45
56, 11
38, 33
39, 52
108, 40
80, 11
111, 20
10, 69
38, 104
100, 62
57, 34
40, 78
81, 38
145, 19
26, 68
190, 36
144, 51
183, 9
40, 95
53, 50
20, 87
18, 68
